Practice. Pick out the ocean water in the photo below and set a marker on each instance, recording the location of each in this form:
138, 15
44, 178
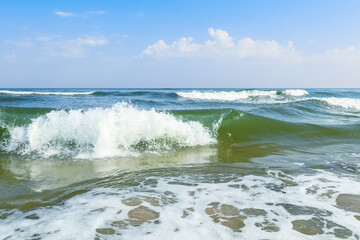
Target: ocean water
180, 164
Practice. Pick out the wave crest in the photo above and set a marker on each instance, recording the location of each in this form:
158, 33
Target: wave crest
345, 103
240, 95
295, 92
120, 130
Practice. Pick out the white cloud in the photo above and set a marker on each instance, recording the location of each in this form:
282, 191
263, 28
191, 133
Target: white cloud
221, 37
178, 48
65, 14
350, 54
222, 44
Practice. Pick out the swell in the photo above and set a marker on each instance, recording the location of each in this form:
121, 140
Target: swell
124, 130
234, 126
17, 116
240, 94
135, 93
239, 127
272, 97
66, 93
246, 96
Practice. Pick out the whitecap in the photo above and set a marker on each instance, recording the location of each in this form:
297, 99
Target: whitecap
121, 130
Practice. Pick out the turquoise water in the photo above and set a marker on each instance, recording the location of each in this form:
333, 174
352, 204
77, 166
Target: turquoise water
196, 163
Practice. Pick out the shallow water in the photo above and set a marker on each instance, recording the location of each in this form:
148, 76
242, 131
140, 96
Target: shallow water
179, 163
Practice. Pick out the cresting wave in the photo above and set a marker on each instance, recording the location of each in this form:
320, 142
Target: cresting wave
239, 95
345, 103
121, 130
271, 97
124, 130
8, 92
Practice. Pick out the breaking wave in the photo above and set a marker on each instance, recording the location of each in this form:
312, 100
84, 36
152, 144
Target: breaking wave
345, 103
121, 130
271, 97
240, 95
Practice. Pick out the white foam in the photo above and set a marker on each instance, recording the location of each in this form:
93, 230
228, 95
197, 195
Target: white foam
240, 95
345, 103
270, 97
80, 216
225, 95
295, 92
106, 132
43, 93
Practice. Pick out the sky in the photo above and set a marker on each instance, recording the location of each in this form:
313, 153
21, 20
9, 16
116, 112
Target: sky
165, 44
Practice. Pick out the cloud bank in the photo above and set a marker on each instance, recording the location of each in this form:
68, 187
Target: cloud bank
350, 54
222, 44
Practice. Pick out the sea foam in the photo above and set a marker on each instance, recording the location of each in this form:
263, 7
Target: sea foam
121, 130
248, 207
240, 95
271, 97
295, 92
345, 103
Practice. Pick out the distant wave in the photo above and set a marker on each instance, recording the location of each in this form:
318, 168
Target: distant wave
345, 103
121, 130
271, 97
295, 92
8, 92
240, 95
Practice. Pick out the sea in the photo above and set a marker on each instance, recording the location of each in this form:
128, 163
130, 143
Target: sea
179, 164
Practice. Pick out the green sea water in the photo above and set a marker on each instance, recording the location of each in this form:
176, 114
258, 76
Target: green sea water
179, 163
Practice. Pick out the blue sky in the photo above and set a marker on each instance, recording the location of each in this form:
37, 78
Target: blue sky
180, 43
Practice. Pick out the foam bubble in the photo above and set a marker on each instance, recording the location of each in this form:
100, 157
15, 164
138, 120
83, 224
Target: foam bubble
44, 93
249, 207
121, 130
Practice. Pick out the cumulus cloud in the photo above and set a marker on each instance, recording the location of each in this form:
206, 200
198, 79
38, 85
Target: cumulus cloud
350, 54
222, 44
64, 14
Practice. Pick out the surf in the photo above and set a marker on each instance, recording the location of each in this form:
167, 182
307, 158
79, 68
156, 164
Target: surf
120, 130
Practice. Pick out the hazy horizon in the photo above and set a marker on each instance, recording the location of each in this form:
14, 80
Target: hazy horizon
127, 44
